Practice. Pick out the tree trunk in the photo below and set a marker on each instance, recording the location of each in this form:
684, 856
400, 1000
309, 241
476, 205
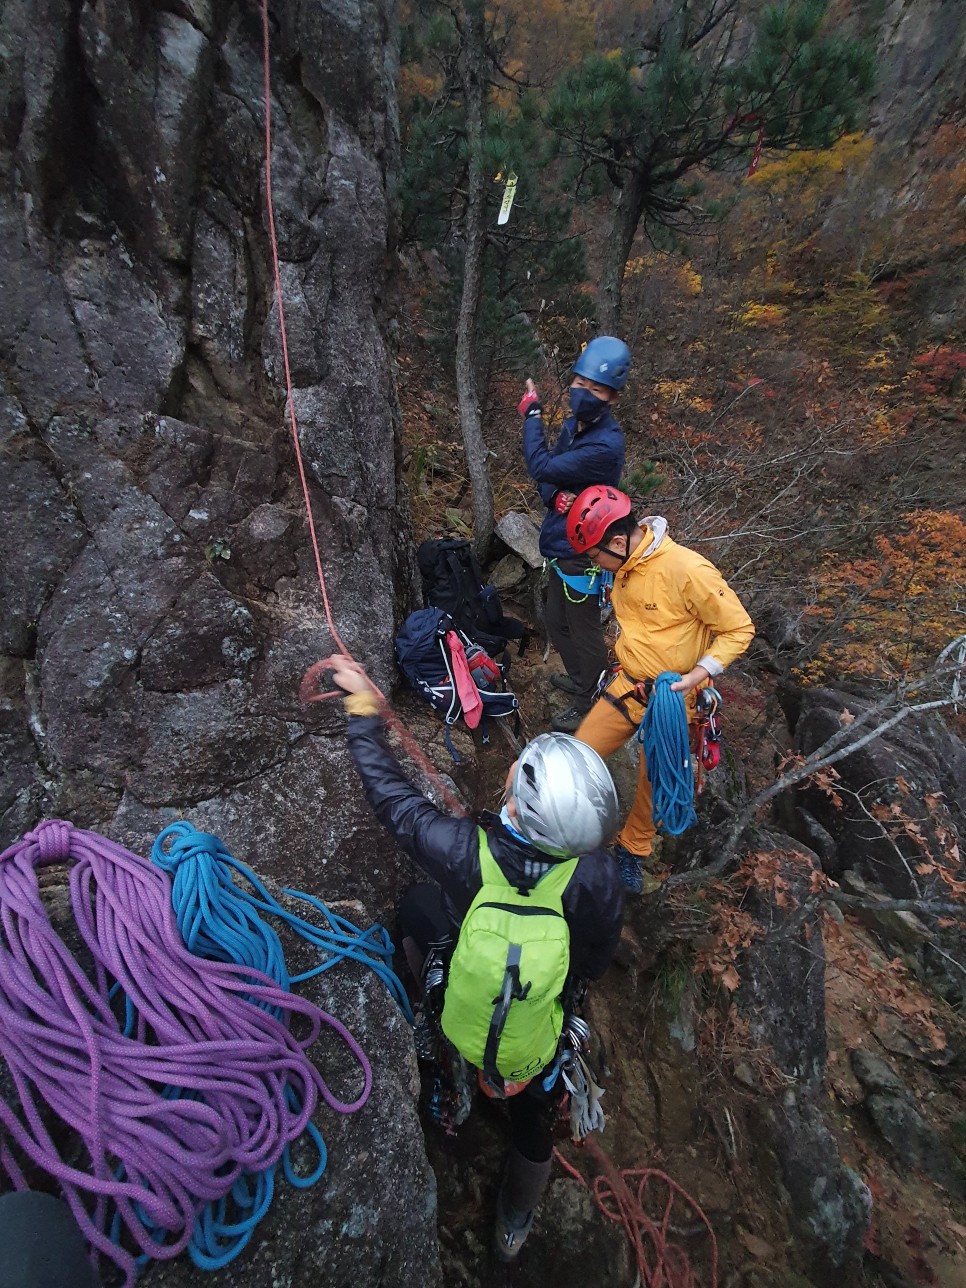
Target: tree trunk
617, 249
467, 390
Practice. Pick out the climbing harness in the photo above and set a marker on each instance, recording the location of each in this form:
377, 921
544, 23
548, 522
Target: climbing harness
706, 742
639, 692
221, 921
663, 733
174, 1090
627, 1196
595, 581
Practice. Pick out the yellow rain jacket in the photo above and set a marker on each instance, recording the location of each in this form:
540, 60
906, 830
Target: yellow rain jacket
675, 610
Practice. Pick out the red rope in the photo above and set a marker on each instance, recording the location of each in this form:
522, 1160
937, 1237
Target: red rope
313, 673
622, 1196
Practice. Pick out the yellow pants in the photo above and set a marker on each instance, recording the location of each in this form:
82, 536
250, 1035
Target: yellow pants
605, 728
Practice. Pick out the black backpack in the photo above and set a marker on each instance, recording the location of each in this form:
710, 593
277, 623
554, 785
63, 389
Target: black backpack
425, 660
453, 582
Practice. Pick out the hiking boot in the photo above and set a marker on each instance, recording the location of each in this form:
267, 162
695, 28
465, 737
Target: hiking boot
632, 868
561, 680
509, 1231
566, 721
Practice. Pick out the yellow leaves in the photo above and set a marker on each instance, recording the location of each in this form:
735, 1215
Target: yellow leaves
762, 316
807, 166
680, 393
690, 278
680, 273
880, 361
416, 84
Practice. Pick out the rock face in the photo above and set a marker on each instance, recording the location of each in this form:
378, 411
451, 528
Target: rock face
895, 820
782, 995
158, 596
912, 775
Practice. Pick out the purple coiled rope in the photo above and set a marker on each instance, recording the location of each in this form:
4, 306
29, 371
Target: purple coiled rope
195, 1030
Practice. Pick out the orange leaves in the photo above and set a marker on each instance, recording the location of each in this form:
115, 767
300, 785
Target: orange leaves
731, 930
825, 780
897, 607
730, 978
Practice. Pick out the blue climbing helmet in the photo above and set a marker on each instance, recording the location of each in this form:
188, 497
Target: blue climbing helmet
605, 360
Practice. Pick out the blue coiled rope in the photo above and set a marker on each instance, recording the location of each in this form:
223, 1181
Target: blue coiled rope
663, 733
221, 921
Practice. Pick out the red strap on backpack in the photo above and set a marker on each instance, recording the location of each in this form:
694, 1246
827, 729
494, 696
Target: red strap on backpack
469, 694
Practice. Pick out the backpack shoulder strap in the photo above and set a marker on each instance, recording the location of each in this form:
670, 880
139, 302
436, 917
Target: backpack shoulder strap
555, 882
551, 885
490, 871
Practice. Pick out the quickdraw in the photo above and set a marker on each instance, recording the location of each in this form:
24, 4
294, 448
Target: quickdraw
449, 1093
706, 741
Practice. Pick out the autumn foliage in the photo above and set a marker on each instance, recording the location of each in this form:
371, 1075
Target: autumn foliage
890, 612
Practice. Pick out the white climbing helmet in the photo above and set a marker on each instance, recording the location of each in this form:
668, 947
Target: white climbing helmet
565, 797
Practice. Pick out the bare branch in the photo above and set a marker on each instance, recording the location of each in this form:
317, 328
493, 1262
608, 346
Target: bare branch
925, 906
838, 746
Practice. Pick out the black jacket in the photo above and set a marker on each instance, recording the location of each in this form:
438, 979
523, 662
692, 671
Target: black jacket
448, 850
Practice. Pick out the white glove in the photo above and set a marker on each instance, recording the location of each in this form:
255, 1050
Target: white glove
586, 1114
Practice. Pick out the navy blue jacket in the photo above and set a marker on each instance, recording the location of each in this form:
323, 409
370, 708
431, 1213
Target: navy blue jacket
595, 454
448, 850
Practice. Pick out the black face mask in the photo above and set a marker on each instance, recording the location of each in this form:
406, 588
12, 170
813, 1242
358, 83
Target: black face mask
587, 407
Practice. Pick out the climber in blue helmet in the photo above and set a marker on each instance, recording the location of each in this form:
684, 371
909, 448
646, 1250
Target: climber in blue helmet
589, 451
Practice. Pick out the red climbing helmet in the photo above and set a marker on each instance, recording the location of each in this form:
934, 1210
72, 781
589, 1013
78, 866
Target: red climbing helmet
594, 510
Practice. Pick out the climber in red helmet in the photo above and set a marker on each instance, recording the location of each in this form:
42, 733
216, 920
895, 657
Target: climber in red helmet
675, 612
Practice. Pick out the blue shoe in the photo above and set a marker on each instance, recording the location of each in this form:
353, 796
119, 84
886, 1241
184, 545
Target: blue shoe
631, 866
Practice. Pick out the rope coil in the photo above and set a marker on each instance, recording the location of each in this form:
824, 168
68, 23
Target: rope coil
622, 1196
663, 733
244, 1087
221, 921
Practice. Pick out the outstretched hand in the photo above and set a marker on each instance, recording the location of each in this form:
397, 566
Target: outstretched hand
348, 674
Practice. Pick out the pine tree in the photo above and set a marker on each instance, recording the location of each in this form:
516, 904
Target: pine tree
507, 288
708, 81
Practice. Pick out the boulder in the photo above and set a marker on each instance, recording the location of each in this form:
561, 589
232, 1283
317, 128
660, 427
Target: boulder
522, 535
911, 1139
911, 776
782, 990
782, 997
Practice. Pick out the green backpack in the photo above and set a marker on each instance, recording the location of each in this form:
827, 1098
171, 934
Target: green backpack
502, 1010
